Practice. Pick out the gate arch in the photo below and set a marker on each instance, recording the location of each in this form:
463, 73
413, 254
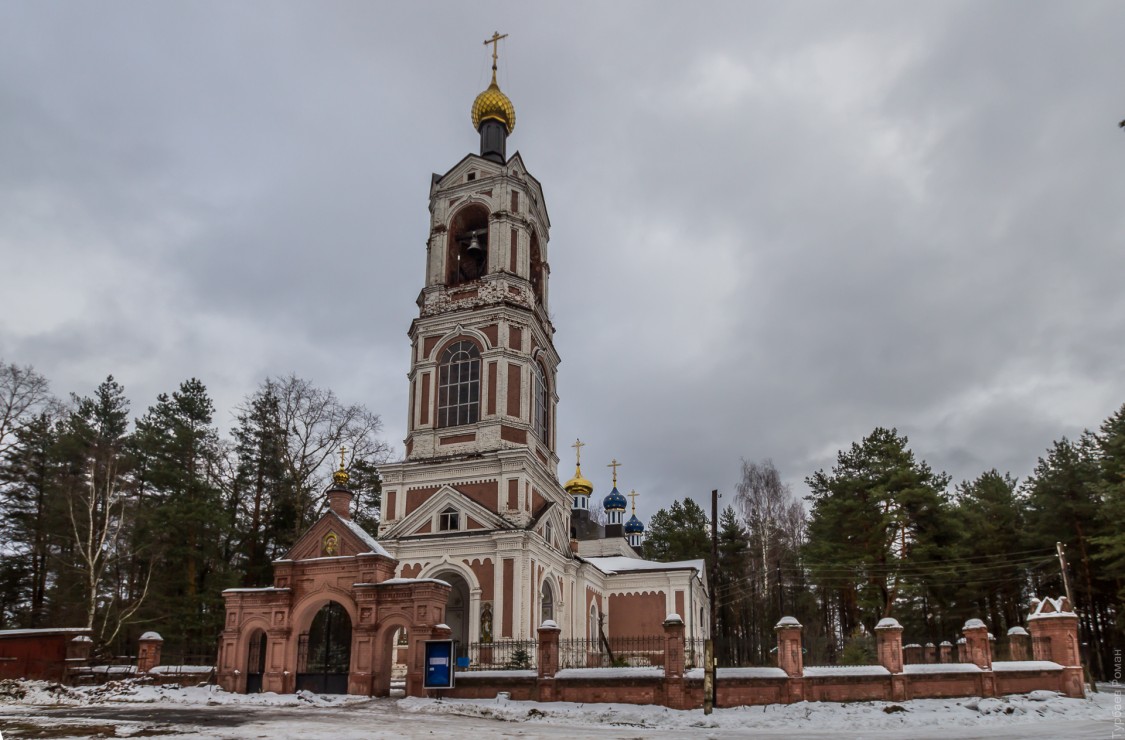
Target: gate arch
324, 651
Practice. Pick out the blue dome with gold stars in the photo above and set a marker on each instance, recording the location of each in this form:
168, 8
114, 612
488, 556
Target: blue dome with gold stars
634, 526
614, 501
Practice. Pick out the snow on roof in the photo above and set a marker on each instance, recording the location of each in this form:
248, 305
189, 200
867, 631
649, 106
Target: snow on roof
150, 635
940, 668
1025, 665
787, 622
1017, 631
846, 670
973, 624
404, 582
888, 623
622, 564
45, 631
1048, 608
363, 535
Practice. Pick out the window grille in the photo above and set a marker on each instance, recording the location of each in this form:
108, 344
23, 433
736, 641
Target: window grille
459, 385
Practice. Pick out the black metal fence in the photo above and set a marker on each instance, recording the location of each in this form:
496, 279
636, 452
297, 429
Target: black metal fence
501, 655
639, 652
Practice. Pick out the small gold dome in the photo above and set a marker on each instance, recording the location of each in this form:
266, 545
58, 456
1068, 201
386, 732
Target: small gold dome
340, 478
493, 105
578, 485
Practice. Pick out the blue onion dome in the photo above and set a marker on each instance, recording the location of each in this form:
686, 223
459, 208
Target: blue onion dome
614, 501
634, 526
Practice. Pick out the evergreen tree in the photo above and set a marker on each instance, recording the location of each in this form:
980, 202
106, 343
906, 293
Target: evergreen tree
185, 520
263, 494
878, 509
28, 484
987, 578
681, 532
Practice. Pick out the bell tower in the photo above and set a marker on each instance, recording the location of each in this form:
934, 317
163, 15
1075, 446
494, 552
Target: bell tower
483, 362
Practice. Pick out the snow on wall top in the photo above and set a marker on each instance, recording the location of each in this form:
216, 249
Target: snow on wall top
549, 624
888, 623
846, 670
150, 635
696, 674
673, 617
973, 624
924, 668
610, 673
787, 622
622, 564
1017, 631
1025, 665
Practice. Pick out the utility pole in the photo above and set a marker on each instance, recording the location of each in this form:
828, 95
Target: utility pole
1061, 550
710, 692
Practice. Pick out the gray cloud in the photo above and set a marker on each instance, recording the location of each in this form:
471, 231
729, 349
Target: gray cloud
774, 227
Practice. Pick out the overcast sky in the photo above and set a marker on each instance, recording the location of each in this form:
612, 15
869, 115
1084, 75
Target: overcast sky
774, 226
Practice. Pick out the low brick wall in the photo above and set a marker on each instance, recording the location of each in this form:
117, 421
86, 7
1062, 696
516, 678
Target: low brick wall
1054, 634
42, 654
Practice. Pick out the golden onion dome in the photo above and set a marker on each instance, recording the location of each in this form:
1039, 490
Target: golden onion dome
579, 486
493, 105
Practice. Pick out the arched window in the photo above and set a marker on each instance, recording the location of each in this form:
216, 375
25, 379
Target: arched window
548, 602
593, 621
459, 385
467, 253
542, 404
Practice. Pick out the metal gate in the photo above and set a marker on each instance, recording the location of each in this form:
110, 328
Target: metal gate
256, 664
324, 652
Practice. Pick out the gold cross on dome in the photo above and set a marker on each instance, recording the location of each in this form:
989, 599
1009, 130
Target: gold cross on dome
615, 465
495, 41
633, 495
578, 445
343, 451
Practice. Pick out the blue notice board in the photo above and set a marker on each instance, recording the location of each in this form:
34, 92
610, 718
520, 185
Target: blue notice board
439, 664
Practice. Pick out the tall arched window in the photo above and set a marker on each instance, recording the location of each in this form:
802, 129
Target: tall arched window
541, 404
548, 602
459, 385
593, 621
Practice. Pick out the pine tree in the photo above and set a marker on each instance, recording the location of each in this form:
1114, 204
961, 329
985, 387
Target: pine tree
185, 520
681, 532
876, 510
28, 488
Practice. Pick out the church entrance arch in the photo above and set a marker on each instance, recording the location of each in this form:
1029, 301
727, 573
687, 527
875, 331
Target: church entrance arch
457, 610
256, 662
324, 653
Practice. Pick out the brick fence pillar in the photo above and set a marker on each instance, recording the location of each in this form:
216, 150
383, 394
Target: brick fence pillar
979, 651
548, 659
1019, 644
1054, 636
790, 657
148, 653
674, 695
963, 650
888, 644
888, 648
945, 652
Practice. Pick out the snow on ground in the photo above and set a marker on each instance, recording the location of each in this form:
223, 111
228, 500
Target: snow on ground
44, 693
1019, 713
128, 707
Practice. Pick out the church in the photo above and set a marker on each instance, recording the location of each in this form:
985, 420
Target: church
477, 501
477, 535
